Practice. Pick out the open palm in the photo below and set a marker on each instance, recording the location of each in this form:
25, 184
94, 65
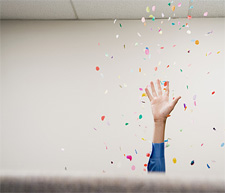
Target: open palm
161, 107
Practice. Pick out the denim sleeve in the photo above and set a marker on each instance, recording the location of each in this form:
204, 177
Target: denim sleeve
157, 159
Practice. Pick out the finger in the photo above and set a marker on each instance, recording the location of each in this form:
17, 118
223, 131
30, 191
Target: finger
148, 94
167, 88
159, 87
153, 89
174, 102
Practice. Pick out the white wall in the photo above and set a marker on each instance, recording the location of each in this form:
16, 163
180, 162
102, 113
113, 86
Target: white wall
53, 98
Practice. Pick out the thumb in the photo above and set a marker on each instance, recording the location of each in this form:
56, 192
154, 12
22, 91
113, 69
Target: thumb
174, 102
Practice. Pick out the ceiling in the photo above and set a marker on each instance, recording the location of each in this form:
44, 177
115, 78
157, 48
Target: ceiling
109, 9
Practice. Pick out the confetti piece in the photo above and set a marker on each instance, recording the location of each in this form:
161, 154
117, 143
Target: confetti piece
214, 128
156, 68
192, 162
106, 146
133, 167
201, 144
114, 21
222, 145
167, 145
135, 151
139, 69
165, 83
111, 162
144, 94
145, 165
124, 46
162, 14
168, 66
120, 25
146, 51
205, 14
117, 36
195, 103
181, 130
153, 19
129, 157
97, 68
161, 48
173, 23
189, 17
102, 118
148, 154
62, 149
95, 129
179, 5
168, 115
169, 4
141, 89
140, 116
126, 123
191, 7
218, 52
143, 19
185, 107
181, 70
143, 139
174, 160
147, 9
208, 166
213, 92
173, 8
139, 34
188, 32
106, 55
196, 42
153, 8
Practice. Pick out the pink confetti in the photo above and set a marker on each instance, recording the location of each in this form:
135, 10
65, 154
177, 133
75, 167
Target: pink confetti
147, 51
205, 14
153, 8
174, 45
178, 23
195, 103
129, 157
202, 144
179, 5
133, 167
140, 89
143, 19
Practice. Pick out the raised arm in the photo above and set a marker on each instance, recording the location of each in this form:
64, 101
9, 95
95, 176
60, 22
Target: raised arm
161, 108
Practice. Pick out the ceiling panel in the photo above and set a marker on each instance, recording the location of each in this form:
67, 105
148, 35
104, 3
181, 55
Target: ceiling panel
36, 9
128, 9
214, 8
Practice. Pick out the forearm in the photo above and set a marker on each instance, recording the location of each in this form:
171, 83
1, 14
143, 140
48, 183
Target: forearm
159, 131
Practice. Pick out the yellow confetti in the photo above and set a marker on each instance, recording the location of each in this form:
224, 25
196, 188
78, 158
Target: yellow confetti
143, 139
151, 16
173, 8
218, 52
147, 9
144, 94
174, 160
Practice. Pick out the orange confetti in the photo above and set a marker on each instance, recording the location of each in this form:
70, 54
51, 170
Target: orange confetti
196, 42
139, 69
173, 8
213, 92
165, 83
102, 118
97, 68
168, 115
145, 165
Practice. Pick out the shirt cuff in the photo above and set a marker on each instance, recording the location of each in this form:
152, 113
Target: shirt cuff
157, 150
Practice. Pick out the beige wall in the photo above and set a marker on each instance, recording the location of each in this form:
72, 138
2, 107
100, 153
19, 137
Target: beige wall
53, 98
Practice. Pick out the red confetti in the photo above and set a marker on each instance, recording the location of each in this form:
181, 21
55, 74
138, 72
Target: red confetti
165, 83
102, 118
173, 98
162, 48
97, 68
145, 165
156, 68
148, 154
168, 66
189, 17
144, 169
213, 92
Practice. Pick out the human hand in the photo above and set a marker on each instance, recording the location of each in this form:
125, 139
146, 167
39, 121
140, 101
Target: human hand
161, 107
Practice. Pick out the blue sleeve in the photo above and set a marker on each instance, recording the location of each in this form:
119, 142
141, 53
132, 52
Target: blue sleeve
157, 159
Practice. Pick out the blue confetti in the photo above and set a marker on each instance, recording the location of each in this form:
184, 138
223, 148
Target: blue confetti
135, 151
173, 23
166, 140
222, 145
191, 7
208, 166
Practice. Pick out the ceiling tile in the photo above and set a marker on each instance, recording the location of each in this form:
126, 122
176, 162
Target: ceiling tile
36, 9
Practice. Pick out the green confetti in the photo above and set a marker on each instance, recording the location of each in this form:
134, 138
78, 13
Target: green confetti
179, 28
181, 70
120, 25
167, 145
140, 116
181, 130
126, 123
153, 19
169, 4
124, 46
183, 25
187, 86
173, 23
